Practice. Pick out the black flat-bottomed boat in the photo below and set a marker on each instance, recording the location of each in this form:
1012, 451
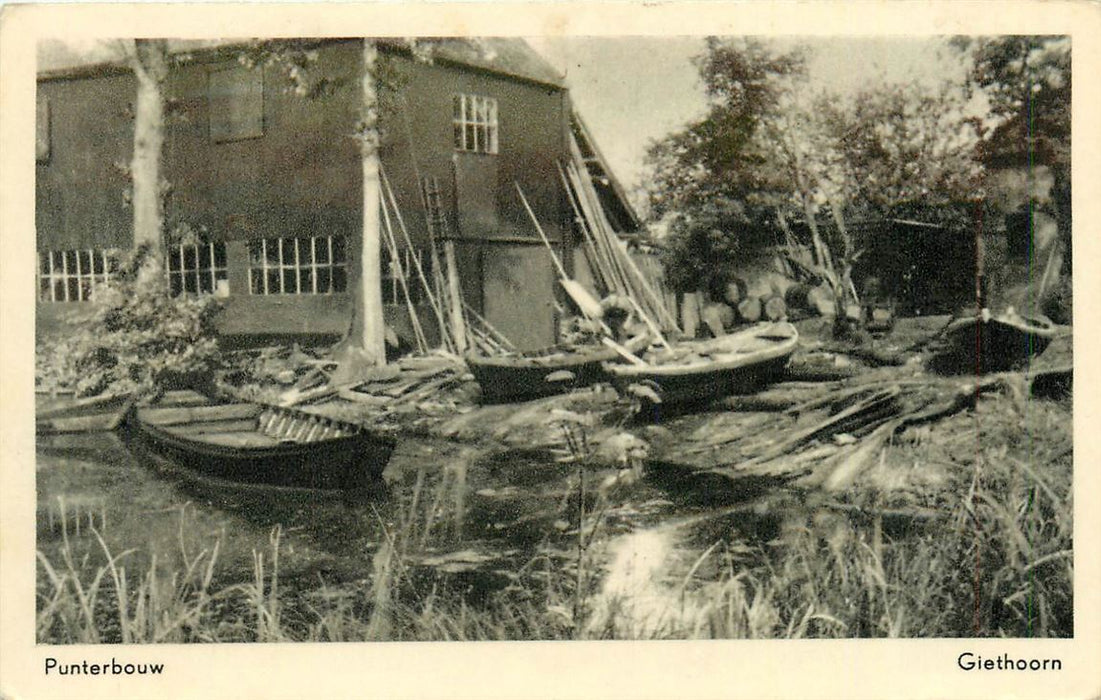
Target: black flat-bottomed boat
261, 444
539, 373
987, 342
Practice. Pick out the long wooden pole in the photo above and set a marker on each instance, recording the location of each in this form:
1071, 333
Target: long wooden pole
458, 321
396, 268
571, 287
546, 241
433, 303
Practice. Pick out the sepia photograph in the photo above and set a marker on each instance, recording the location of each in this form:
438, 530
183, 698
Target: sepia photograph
467, 337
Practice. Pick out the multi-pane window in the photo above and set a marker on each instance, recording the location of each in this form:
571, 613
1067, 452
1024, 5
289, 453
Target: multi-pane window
408, 259
73, 275
197, 268
314, 265
475, 122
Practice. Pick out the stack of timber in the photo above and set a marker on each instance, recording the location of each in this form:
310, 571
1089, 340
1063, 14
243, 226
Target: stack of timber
614, 270
391, 388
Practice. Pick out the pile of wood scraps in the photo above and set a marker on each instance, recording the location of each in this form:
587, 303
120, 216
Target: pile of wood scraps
392, 388
824, 435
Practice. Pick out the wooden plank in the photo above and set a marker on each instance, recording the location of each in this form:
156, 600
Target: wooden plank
624, 352
221, 426
193, 414
360, 397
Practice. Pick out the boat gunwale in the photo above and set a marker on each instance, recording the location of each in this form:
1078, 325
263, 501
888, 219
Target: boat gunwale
570, 359
1025, 324
548, 358
283, 449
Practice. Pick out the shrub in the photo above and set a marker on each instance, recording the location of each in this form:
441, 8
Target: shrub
138, 338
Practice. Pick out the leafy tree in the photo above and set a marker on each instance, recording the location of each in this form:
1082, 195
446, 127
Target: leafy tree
775, 161
707, 177
138, 338
1027, 80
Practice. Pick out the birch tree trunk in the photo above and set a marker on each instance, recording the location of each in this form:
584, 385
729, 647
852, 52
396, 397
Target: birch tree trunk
370, 333
149, 61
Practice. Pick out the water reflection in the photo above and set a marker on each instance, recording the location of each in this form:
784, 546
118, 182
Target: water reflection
457, 517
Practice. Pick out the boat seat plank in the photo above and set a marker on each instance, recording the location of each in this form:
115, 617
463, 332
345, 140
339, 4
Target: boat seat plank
211, 427
193, 414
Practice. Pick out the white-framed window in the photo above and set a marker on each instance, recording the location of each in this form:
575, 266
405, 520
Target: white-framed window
197, 268
475, 122
308, 265
408, 260
73, 275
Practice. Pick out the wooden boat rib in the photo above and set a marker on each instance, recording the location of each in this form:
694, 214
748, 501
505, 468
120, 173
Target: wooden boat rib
528, 375
696, 372
262, 444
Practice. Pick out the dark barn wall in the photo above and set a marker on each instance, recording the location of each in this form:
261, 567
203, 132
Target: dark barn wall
303, 176
81, 188
481, 189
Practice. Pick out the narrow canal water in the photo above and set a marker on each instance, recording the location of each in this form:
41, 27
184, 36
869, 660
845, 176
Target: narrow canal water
468, 518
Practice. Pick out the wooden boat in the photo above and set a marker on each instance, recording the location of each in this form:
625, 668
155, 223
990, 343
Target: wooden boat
55, 416
700, 371
538, 373
261, 444
994, 343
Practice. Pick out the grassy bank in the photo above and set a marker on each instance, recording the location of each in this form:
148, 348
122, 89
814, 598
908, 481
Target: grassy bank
967, 532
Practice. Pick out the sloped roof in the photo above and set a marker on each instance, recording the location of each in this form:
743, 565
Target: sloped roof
510, 56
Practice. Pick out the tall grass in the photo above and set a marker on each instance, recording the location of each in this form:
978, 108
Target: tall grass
83, 602
996, 562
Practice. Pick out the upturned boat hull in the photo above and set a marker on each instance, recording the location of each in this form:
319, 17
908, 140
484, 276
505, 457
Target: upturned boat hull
985, 343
